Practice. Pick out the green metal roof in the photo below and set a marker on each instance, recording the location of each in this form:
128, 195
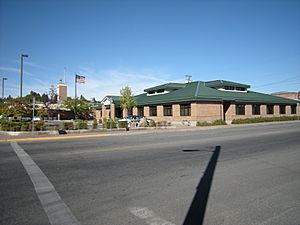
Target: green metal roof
115, 99
167, 86
198, 91
222, 83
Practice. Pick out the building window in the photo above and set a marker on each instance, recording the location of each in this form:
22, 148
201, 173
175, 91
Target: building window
185, 110
270, 109
255, 109
118, 112
293, 109
167, 110
141, 111
240, 109
153, 110
282, 109
240, 89
229, 88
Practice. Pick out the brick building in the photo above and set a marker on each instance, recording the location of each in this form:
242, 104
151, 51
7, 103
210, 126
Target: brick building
201, 101
289, 95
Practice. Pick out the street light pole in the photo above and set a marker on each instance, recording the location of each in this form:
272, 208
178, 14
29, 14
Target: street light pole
3, 79
21, 82
33, 106
110, 121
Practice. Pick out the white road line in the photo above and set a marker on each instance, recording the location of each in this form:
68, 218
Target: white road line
149, 216
57, 211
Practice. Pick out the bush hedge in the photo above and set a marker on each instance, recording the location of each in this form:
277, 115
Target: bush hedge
163, 124
95, 124
214, 123
39, 126
264, 119
81, 125
122, 124
107, 124
68, 126
21, 126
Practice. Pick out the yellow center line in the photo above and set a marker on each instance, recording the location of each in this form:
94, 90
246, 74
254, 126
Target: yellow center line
53, 138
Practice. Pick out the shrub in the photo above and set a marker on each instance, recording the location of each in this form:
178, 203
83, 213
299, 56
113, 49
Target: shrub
219, 122
5, 126
68, 126
122, 124
81, 125
39, 125
264, 119
14, 126
162, 123
25, 127
95, 124
107, 124
202, 124
214, 123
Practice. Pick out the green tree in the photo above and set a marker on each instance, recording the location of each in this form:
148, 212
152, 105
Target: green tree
45, 98
127, 100
32, 95
42, 112
17, 107
52, 94
81, 109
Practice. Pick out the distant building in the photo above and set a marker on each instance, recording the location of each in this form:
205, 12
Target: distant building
289, 95
62, 91
201, 101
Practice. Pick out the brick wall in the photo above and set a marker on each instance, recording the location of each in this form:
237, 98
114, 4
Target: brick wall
134, 111
146, 111
207, 111
202, 111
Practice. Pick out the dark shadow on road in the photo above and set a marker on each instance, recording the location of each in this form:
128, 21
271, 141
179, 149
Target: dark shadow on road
195, 215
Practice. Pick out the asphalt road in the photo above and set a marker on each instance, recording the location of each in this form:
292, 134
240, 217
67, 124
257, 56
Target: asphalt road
253, 177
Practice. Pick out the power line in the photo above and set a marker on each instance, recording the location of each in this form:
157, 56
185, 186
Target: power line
285, 81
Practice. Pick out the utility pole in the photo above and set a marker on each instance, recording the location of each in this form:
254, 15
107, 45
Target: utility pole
21, 82
3, 79
75, 96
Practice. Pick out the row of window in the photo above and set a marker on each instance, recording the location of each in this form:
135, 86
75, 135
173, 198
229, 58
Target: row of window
240, 109
231, 88
185, 110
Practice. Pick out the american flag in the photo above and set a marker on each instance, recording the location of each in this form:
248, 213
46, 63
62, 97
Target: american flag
80, 79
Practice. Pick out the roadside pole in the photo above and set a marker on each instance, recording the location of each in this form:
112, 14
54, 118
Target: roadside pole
110, 125
297, 110
33, 106
75, 96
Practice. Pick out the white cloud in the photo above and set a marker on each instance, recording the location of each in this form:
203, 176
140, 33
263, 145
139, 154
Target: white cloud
30, 82
109, 82
99, 83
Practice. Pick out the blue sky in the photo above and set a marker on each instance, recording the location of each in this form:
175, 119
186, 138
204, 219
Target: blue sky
144, 43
